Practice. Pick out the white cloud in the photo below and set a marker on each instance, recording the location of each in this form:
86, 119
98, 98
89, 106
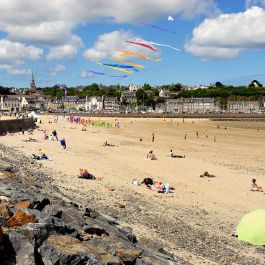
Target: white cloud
15, 52
106, 45
85, 74
228, 34
58, 69
14, 71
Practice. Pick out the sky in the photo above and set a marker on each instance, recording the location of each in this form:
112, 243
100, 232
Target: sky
62, 41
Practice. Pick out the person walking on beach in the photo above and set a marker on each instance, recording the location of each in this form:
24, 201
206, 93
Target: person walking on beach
197, 134
214, 139
206, 134
54, 134
185, 137
153, 136
63, 143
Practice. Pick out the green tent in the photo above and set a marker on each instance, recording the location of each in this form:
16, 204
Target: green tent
251, 228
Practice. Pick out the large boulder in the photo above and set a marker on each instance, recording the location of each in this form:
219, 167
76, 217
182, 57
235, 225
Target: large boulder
21, 218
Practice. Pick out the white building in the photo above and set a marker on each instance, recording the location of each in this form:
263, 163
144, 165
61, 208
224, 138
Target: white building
164, 93
94, 104
134, 88
111, 104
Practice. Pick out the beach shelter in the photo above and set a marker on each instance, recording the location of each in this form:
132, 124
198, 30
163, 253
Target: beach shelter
251, 228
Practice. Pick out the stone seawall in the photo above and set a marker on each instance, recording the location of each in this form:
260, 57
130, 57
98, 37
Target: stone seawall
13, 126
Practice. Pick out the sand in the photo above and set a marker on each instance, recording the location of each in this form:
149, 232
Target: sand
235, 158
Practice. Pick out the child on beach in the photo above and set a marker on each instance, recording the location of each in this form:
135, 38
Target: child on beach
63, 143
255, 186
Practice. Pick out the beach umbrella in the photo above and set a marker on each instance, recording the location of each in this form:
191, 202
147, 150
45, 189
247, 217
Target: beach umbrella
251, 228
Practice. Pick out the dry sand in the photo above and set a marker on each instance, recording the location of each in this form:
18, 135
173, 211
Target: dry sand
213, 205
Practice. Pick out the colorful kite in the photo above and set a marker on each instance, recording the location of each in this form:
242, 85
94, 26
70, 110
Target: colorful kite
128, 63
126, 53
142, 44
164, 45
63, 87
153, 26
121, 66
117, 68
114, 76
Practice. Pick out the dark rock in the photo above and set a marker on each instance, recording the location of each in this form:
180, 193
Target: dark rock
40, 202
53, 210
1, 241
91, 213
4, 222
20, 218
95, 230
127, 233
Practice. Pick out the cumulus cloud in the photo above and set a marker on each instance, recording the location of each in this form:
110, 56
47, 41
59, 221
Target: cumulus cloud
228, 34
58, 69
85, 74
106, 45
15, 52
14, 71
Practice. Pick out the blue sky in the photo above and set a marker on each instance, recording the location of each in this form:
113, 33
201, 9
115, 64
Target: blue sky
219, 41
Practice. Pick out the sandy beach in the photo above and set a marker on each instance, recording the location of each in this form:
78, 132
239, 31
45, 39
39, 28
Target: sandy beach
198, 209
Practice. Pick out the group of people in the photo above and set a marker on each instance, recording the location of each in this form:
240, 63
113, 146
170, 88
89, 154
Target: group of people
151, 155
157, 185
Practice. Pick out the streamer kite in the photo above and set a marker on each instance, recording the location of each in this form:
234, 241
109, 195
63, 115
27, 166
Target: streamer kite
121, 61
144, 44
126, 53
164, 45
156, 27
117, 68
121, 66
114, 76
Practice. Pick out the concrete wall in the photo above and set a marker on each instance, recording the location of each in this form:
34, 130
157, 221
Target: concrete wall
16, 125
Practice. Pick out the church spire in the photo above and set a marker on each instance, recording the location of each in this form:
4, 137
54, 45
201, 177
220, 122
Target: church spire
32, 86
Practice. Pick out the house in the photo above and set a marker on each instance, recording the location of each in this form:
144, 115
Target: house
10, 102
164, 93
69, 102
160, 108
128, 97
134, 88
243, 106
191, 105
28, 103
94, 104
111, 104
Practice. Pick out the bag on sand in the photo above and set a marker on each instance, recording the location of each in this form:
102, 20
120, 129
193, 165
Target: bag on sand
136, 182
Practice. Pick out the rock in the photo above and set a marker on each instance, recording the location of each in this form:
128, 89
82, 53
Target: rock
21, 218
95, 230
25, 204
53, 210
4, 222
109, 219
127, 233
4, 199
128, 255
5, 212
1, 240
24, 250
122, 206
90, 213
40, 202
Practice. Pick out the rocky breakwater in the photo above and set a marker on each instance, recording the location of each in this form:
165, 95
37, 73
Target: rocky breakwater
37, 228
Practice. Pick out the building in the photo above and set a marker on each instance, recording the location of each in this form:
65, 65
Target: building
70, 102
134, 88
10, 103
164, 93
94, 104
111, 104
128, 97
243, 106
32, 89
191, 105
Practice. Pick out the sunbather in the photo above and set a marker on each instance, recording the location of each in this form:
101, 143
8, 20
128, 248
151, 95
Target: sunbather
151, 156
41, 157
84, 174
175, 156
107, 144
206, 174
255, 186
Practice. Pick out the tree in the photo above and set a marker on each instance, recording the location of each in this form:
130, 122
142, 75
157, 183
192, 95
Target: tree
219, 84
147, 86
255, 83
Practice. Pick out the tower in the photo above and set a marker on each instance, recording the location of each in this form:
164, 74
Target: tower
32, 90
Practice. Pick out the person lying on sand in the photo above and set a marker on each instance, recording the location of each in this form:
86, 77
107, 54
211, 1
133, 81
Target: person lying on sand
255, 186
151, 156
41, 157
206, 174
107, 144
156, 186
175, 156
148, 182
31, 140
84, 174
